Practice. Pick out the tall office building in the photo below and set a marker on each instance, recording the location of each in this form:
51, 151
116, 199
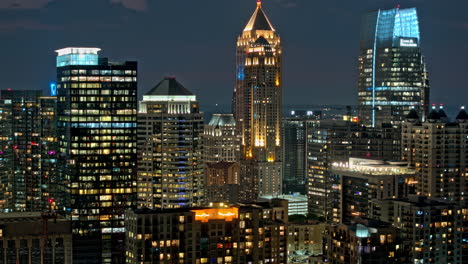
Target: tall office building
27, 156
295, 152
220, 140
97, 104
170, 164
393, 77
257, 101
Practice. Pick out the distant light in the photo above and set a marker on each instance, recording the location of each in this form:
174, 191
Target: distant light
53, 89
463, 107
293, 112
9, 89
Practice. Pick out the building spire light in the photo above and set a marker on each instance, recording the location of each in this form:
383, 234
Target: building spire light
259, 3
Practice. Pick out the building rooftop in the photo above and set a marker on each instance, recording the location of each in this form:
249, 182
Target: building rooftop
259, 21
222, 120
374, 167
290, 198
169, 86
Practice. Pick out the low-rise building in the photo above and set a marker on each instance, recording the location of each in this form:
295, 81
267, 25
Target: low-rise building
22, 238
305, 240
297, 203
370, 242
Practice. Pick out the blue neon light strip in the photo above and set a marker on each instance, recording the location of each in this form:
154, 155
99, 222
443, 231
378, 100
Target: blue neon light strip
373, 68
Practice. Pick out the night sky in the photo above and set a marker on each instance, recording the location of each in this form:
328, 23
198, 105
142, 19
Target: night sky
195, 41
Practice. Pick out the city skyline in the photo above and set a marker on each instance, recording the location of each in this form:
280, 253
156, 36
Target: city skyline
118, 173
306, 54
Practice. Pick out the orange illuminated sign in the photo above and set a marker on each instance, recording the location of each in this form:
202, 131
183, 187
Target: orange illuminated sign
226, 214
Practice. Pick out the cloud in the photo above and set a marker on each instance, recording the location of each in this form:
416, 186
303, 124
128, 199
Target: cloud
138, 5
287, 3
26, 24
23, 4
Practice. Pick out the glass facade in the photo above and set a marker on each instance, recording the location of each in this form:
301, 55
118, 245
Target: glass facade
97, 134
393, 77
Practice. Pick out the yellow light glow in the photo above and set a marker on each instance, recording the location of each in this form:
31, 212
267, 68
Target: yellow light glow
227, 214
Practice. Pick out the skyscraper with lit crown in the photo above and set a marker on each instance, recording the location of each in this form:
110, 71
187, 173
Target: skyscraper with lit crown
393, 77
97, 122
257, 104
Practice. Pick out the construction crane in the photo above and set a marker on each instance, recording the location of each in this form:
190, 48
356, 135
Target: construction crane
46, 216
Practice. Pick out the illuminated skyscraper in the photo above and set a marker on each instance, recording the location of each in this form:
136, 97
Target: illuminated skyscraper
97, 104
220, 141
27, 155
393, 77
170, 129
258, 101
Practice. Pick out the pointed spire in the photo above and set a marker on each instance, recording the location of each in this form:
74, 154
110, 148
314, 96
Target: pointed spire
259, 21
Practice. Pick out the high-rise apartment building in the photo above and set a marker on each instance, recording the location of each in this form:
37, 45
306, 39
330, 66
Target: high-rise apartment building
257, 104
331, 142
393, 77
28, 153
362, 180
220, 140
436, 149
97, 104
431, 229
253, 233
170, 164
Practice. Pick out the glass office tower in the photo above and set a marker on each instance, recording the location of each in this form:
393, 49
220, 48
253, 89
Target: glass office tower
393, 77
97, 103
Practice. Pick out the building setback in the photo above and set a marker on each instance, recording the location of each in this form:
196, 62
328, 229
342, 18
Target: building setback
97, 102
392, 73
257, 105
170, 164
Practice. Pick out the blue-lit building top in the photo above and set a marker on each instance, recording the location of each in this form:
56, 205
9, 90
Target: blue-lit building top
77, 56
390, 28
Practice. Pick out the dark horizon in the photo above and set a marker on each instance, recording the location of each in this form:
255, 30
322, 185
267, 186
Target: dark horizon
197, 43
